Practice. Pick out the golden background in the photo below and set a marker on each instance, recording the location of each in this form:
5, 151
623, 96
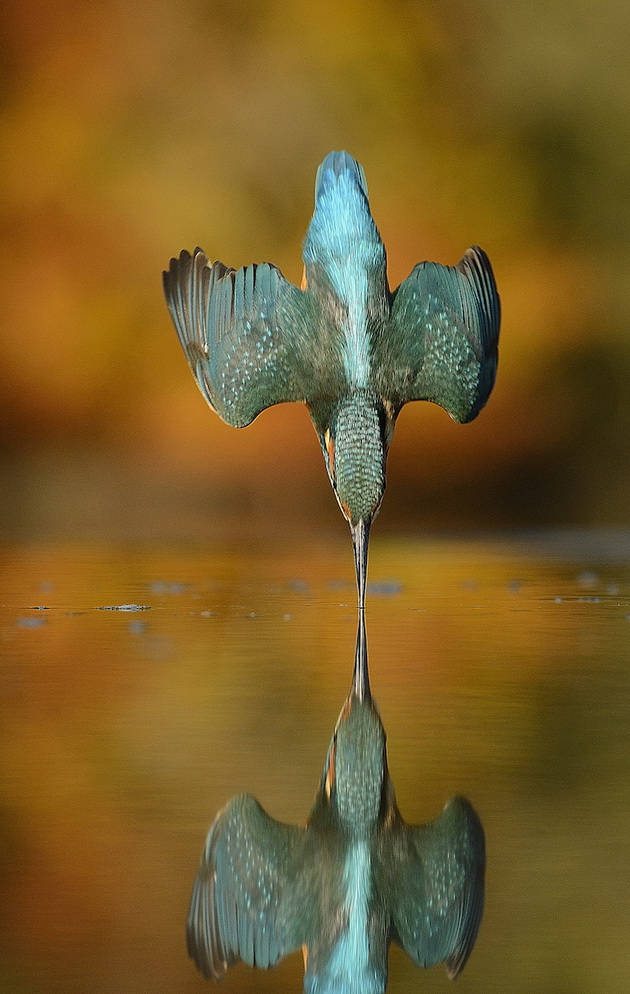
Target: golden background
132, 129
129, 131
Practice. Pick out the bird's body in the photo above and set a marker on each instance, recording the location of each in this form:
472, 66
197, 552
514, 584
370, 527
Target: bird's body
344, 344
344, 886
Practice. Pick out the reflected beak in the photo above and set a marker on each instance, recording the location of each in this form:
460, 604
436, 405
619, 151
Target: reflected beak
360, 674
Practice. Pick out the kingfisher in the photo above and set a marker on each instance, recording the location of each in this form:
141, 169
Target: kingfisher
346, 885
343, 343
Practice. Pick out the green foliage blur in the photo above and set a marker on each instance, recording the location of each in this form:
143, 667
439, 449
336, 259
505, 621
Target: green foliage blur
131, 131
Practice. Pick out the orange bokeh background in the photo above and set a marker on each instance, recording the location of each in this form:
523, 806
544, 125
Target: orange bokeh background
131, 131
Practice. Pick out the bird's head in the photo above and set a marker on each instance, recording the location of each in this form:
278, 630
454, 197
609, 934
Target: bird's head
356, 770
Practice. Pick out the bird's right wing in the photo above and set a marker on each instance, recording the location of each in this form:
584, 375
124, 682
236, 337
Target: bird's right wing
440, 343
245, 333
246, 894
434, 875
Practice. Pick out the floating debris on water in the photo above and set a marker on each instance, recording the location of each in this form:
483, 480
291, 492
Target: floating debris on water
162, 587
384, 588
26, 621
125, 607
137, 627
299, 586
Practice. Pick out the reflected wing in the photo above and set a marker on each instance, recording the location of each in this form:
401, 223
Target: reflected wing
243, 332
436, 886
243, 904
441, 340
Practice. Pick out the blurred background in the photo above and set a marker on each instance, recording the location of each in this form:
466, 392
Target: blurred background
131, 131
142, 683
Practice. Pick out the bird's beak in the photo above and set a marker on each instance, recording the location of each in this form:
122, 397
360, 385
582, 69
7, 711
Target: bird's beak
360, 680
360, 537
360, 675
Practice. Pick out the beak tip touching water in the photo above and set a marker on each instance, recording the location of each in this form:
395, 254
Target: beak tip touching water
360, 536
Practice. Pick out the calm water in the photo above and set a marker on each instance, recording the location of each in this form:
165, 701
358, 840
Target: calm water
501, 672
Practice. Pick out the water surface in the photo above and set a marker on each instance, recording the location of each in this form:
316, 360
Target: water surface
141, 687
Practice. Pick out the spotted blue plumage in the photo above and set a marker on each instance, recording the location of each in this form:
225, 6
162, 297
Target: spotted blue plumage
352, 880
253, 339
351, 349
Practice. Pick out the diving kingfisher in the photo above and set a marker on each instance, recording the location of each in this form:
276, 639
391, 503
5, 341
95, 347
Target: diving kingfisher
345, 344
354, 879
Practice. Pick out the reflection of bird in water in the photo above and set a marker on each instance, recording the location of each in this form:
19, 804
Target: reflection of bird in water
346, 885
354, 351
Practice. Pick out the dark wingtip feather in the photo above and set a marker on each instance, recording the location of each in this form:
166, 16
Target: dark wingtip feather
456, 963
475, 886
476, 265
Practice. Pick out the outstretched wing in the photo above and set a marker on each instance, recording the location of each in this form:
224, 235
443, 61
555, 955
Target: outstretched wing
243, 332
246, 896
436, 883
441, 340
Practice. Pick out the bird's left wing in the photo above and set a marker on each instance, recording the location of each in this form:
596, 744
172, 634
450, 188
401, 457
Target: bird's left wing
243, 332
246, 896
440, 343
435, 879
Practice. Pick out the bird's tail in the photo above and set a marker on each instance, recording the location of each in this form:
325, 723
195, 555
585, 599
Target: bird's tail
335, 165
342, 239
